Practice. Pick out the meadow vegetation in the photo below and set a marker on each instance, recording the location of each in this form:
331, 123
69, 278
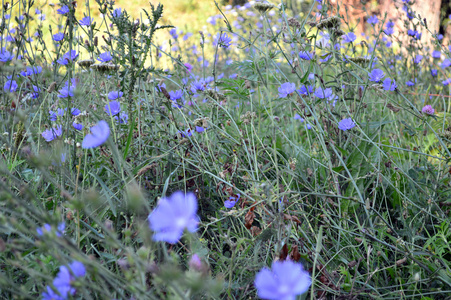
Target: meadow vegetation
273, 154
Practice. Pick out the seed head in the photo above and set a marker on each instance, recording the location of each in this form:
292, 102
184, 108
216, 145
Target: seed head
263, 7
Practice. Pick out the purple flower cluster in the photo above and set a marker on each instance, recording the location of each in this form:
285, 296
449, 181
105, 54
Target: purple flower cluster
389, 29
223, 40
306, 55
30, 71
414, 34
68, 89
48, 229
68, 58
306, 90
5, 55
327, 94
428, 110
53, 116
117, 13
10, 86
64, 282
175, 96
52, 133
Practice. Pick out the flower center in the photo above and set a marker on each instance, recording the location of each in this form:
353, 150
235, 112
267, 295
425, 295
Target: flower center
180, 222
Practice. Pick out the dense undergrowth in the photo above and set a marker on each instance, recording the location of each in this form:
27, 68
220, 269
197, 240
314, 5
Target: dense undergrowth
298, 142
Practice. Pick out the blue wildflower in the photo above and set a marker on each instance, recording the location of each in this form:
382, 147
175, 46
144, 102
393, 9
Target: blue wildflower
47, 229
326, 57
376, 75
187, 36
306, 90
115, 95
323, 93
172, 216
44, 229
122, 118
388, 85
306, 55
86, 21
174, 96
77, 126
389, 30
68, 57
346, 124
232, 201
105, 57
173, 33
30, 71
223, 40
298, 117
286, 89
436, 54
58, 37
445, 64
99, 135
373, 20
63, 10
64, 279
117, 13
198, 86
66, 92
418, 58
112, 108
10, 86
185, 134
200, 129
54, 115
349, 38
5, 55
285, 280
75, 111
52, 133
35, 93
50, 294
